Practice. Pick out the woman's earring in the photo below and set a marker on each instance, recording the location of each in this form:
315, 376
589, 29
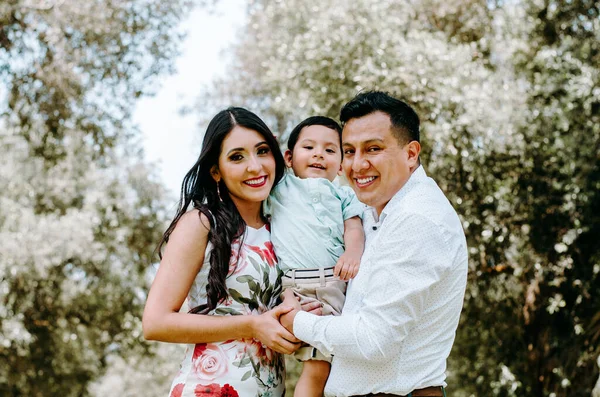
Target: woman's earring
219, 192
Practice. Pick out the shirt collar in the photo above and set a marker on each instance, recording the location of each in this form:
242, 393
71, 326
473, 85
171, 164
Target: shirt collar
417, 176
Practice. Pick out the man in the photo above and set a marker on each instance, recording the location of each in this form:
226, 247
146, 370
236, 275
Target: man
402, 309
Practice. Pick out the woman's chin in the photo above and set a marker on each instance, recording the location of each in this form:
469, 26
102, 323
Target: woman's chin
252, 194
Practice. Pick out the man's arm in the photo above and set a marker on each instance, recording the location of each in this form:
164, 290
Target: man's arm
404, 265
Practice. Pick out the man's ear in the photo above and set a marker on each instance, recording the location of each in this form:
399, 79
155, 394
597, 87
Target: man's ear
215, 173
287, 156
413, 149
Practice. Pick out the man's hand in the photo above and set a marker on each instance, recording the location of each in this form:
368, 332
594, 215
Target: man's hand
347, 265
289, 299
313, 307
287, 320
292, 301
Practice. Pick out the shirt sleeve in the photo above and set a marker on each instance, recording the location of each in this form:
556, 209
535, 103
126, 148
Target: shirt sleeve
276, 192
403, 272
267, 207
351, 207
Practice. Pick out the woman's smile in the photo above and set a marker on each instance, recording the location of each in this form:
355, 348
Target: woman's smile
257, 182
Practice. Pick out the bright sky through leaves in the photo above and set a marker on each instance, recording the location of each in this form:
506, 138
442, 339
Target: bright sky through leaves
171, 139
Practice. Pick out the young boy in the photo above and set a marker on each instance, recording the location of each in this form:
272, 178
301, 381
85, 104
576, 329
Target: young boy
316, 231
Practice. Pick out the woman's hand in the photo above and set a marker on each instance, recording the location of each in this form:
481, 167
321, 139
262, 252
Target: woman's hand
272, 334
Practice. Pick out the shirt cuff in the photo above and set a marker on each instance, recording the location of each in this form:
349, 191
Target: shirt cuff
303, 325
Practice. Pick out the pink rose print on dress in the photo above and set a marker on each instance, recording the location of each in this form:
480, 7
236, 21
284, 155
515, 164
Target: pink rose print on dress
271, 258
212, 390
257, 349
237, 260
229, 391
266, 254
209, 361
177, 390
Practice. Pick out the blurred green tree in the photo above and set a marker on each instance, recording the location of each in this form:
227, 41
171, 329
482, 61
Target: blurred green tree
80, 213
509, 95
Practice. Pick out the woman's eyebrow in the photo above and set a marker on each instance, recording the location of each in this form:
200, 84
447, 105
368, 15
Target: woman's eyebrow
237, 149
241, 149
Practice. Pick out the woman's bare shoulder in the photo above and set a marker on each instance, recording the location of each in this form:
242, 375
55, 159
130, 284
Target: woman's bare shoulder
193, 223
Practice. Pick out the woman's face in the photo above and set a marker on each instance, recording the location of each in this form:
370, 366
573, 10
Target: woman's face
246, 166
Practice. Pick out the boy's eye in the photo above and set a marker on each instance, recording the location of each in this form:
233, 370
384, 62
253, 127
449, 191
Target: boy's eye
330, 151
308, 147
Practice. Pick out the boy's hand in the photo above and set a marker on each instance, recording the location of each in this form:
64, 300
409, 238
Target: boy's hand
347, 266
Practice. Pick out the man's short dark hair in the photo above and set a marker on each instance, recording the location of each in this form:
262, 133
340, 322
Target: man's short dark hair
314, 120
405, 121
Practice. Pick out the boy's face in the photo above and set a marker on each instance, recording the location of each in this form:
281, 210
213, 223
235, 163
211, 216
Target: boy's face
317, 153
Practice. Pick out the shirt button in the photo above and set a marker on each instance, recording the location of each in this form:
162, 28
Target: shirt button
315, 200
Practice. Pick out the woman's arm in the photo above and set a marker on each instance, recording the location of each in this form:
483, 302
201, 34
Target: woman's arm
181, 263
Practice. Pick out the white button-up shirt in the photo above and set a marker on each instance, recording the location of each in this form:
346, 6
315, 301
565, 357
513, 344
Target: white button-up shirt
402, 309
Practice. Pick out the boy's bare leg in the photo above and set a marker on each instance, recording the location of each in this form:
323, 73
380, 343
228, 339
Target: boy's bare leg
312, 379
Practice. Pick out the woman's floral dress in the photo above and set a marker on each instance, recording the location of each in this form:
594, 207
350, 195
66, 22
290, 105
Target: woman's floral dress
236, 367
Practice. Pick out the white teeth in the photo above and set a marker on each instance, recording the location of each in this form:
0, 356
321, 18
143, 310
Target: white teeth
256, 181
362, 181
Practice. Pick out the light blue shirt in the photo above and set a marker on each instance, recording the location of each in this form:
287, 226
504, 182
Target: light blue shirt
307, 221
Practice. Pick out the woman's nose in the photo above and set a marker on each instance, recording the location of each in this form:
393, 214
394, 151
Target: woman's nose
253, 164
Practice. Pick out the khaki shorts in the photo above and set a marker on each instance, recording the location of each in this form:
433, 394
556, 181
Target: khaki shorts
312, 285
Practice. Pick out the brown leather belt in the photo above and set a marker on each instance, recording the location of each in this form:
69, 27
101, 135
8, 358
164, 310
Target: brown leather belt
433, 391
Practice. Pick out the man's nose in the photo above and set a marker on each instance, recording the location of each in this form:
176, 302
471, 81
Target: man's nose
359, 162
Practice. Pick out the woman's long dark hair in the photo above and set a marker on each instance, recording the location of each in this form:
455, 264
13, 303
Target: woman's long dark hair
200, 189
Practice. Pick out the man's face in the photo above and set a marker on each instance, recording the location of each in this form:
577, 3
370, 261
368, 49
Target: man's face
376, 164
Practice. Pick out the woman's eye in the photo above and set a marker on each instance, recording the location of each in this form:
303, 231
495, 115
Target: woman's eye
264, 150
236, 157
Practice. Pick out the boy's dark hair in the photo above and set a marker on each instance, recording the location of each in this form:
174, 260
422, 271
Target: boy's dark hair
405, 121
314, 120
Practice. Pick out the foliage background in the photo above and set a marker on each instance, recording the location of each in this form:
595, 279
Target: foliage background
509, 95
80, 212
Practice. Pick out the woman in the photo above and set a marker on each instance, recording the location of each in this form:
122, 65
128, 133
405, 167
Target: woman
219, 255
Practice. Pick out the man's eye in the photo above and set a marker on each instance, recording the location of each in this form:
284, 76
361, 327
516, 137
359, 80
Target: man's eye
374, 149
348, 152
